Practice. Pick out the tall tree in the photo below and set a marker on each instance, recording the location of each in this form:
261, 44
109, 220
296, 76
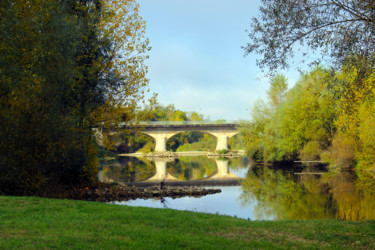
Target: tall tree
111, 60
66, 66
341, 29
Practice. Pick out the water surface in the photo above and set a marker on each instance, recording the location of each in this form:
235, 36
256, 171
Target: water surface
264, 193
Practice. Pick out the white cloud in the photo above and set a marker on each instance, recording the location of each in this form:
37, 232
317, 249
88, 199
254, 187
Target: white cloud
196, 62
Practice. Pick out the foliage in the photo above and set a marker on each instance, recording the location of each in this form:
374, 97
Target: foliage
327, 116
339, 28
66, 67
295, 124
352, 144
223, 151
277, 91
104, 153
329, 119
207, 143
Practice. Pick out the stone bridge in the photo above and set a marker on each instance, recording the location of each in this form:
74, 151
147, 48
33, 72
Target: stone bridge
161, 131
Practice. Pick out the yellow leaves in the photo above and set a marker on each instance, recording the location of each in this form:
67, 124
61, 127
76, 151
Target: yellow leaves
355, 89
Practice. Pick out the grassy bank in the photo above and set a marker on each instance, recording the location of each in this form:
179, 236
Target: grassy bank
47, 223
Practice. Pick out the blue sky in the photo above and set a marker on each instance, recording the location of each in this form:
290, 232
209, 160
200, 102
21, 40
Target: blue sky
196, 61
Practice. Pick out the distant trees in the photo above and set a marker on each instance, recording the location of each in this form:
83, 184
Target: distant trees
66, 66
341, 29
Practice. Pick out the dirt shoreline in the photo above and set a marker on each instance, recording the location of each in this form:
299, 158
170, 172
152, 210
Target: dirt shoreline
109, 192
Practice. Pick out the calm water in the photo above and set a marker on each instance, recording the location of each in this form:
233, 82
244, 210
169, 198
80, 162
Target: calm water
264, 193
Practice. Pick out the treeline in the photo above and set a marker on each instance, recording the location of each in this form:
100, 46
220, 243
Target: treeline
65, 67
329, 116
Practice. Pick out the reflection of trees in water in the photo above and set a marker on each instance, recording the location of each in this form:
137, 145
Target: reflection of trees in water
192, 168
286, 196
239, 163
355, 200
129, 169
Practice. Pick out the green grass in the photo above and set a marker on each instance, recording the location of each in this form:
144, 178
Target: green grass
36, 223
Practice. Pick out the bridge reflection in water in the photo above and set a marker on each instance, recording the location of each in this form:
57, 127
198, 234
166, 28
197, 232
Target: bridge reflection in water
222, 177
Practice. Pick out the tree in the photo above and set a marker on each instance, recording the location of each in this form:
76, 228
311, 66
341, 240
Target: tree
38, 144
304, 122
66, 66
277, 91
295, 124
342, 29
110, 79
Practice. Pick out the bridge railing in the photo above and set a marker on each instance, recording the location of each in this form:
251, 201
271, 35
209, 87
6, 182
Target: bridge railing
176, 122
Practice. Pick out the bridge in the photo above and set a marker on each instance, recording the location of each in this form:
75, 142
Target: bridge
161, 131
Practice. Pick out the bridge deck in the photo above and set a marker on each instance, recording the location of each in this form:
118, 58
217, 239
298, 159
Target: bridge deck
179, 125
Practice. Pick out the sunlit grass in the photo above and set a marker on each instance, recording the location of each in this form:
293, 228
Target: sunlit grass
47, 223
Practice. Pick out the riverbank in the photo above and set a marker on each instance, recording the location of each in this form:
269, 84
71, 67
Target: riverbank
36, 223
104, 192
186, 153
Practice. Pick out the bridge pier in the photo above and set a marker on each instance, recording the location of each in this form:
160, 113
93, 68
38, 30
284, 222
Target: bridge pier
222, 142
161, 143
222, 138
161, 138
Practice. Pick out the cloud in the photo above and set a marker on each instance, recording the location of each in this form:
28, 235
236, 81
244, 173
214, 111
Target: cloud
196, 61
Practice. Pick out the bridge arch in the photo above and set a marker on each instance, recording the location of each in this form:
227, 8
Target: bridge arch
161, 137
192, 137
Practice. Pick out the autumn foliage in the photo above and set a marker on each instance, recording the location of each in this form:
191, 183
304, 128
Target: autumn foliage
65, 67
328, 116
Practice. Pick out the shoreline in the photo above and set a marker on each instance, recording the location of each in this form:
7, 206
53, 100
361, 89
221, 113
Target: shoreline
235, 153
110, 192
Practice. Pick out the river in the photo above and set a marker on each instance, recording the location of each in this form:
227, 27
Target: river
250, 191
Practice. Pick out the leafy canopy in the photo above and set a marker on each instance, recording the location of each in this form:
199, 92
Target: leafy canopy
340, 29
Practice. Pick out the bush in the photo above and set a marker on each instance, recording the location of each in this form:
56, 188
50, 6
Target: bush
223, 151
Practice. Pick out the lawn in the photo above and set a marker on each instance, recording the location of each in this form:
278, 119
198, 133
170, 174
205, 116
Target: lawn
37, 223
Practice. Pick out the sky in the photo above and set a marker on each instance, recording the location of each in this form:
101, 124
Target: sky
196, 61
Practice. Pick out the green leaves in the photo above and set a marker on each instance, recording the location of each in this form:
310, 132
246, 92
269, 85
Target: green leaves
324, 117
335, 29
292, 119
61, 75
